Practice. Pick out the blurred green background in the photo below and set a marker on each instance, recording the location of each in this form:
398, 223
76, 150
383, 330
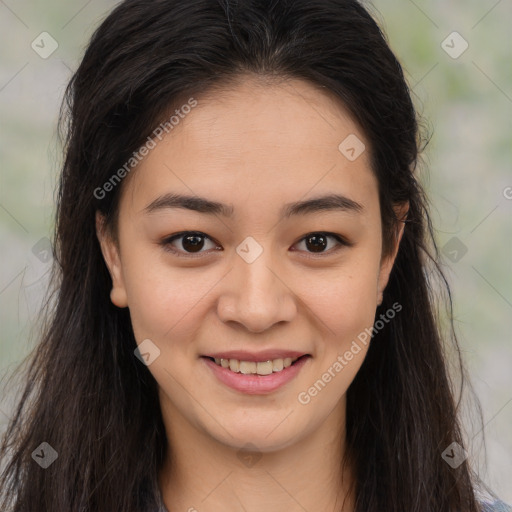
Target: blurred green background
466, 99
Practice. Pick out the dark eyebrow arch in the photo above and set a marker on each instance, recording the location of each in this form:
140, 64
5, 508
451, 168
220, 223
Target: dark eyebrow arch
194, 203
332, 202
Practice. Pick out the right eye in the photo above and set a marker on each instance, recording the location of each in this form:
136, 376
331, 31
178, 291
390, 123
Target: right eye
191, 242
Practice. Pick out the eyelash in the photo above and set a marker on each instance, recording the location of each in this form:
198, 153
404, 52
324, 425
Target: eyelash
165, 243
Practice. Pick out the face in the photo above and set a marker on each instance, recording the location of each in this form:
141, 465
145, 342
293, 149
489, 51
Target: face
256, 271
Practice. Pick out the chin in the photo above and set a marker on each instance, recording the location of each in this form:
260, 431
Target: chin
269, 436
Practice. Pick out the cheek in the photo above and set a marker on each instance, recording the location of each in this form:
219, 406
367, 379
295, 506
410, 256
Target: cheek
165, 303
344, 299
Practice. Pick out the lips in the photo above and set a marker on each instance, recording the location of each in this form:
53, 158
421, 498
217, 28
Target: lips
251, 363
256, 373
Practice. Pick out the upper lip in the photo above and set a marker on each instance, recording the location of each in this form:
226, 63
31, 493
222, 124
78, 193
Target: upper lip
264, 355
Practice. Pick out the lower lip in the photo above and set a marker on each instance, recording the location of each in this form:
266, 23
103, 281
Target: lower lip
256, 384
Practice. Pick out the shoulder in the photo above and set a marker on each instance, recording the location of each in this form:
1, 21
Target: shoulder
496, 506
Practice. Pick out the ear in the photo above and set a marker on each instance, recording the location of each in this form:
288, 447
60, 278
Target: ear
387, 263
110, 251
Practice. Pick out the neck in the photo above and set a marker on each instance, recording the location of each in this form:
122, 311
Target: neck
202, 474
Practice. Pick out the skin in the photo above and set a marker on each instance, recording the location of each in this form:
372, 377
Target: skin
256, 147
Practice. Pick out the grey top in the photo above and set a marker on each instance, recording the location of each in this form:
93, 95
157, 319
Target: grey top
497, 506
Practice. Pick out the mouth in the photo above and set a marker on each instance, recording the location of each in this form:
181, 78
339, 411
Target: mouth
256, 374
260, 368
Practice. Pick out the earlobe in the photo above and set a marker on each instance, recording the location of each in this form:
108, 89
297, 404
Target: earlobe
110, 252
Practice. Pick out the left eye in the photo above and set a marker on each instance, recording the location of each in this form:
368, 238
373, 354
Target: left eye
193, 241
319, 241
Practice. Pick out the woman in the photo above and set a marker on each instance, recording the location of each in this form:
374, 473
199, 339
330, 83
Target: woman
244, 314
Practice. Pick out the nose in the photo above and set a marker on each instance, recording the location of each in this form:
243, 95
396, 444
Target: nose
256, 295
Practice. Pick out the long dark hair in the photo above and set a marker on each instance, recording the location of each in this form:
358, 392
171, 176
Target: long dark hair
86, 394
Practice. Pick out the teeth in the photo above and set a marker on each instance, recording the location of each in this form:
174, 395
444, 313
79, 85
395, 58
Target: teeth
277, 365
253, 367
247, 366
264, 368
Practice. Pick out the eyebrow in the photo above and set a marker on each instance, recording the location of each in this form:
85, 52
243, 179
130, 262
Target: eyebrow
331, 202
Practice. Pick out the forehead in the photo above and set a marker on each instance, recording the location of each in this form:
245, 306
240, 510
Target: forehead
257, 143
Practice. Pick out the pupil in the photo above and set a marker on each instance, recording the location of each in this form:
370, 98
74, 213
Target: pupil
196, 243
317, 247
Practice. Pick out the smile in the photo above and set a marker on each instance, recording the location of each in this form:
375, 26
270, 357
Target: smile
255, 377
